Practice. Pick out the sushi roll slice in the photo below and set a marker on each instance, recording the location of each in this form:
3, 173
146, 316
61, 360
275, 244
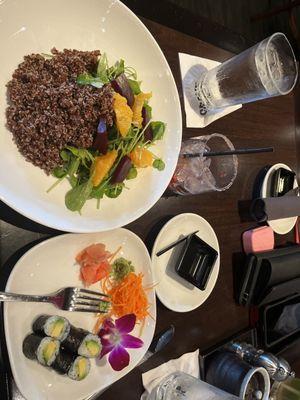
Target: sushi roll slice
79, 368
44, 350
82, 342
63, 362
54, 326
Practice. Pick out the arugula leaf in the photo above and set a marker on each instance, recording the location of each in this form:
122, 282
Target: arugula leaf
98, 191
132, 173
158, 129
114, 191
88, 79
130, 72
77, 196
59, 172
102, 68
134, 85
83, 154
158, 164
116, 70
65, 155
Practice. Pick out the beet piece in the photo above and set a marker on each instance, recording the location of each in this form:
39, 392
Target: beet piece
122, 170
148, 134
101, 138
121, 86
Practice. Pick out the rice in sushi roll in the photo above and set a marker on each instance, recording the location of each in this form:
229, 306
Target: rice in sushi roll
82, 342
44, 350
54, 326
79, 368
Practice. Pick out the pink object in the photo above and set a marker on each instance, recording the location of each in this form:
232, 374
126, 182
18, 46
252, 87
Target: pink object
258, 239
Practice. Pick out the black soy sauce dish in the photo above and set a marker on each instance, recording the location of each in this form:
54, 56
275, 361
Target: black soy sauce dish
196, 261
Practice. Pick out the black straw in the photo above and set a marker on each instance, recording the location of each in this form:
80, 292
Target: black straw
229, 152
173, 244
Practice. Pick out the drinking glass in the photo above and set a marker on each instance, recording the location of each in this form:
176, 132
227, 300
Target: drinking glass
194, 175
265, 70
181, 386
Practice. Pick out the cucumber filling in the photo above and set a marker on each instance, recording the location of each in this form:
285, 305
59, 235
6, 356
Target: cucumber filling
93, 348
57, 328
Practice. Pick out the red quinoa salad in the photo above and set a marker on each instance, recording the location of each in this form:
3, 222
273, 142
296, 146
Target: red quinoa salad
77, 118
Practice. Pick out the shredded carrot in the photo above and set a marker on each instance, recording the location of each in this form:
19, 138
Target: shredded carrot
126, 297
129, 297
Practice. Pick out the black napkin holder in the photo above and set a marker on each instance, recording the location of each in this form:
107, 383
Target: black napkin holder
268, 276
270, 281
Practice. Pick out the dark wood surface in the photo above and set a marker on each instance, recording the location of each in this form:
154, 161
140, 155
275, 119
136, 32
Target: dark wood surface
266, 123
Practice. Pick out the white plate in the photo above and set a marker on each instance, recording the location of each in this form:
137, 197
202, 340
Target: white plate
173, 291
45, 268
284, 225
36, 26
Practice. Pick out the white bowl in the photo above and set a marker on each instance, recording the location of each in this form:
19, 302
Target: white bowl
35, 26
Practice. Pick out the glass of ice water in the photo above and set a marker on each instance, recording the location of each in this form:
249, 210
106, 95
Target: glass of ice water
265, 70
201, 173
181, 386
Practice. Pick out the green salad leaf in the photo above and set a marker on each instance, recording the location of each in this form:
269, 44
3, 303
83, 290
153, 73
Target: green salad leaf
134, 85
132, 174
158, 129
158, 164
102, 69
88, 79
77, 196
59, 172
113, 191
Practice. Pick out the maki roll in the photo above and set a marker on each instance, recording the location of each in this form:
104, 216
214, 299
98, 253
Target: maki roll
82, 342
79, 368
76, 367
44, 350
63, 362
54, 326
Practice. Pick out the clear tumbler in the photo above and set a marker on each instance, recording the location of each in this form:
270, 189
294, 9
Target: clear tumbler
265, 70
202, 173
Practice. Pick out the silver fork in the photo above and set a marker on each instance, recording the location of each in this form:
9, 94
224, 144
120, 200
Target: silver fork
68, 299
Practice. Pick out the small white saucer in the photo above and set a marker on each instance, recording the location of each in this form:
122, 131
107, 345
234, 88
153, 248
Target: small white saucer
173, 291
284, 225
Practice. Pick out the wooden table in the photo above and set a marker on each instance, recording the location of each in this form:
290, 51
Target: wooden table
264, 123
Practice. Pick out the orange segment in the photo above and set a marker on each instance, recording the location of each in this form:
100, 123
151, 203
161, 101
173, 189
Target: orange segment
141, 157
123, 114
102, 165
138, 104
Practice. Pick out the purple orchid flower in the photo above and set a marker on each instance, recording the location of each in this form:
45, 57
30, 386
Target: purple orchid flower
115, 340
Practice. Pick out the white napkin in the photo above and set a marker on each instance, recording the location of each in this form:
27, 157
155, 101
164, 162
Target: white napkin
188, 363
191, 68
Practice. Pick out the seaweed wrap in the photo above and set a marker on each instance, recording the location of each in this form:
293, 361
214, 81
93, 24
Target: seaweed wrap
42, 349
54, 326
63, 362
82, 342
